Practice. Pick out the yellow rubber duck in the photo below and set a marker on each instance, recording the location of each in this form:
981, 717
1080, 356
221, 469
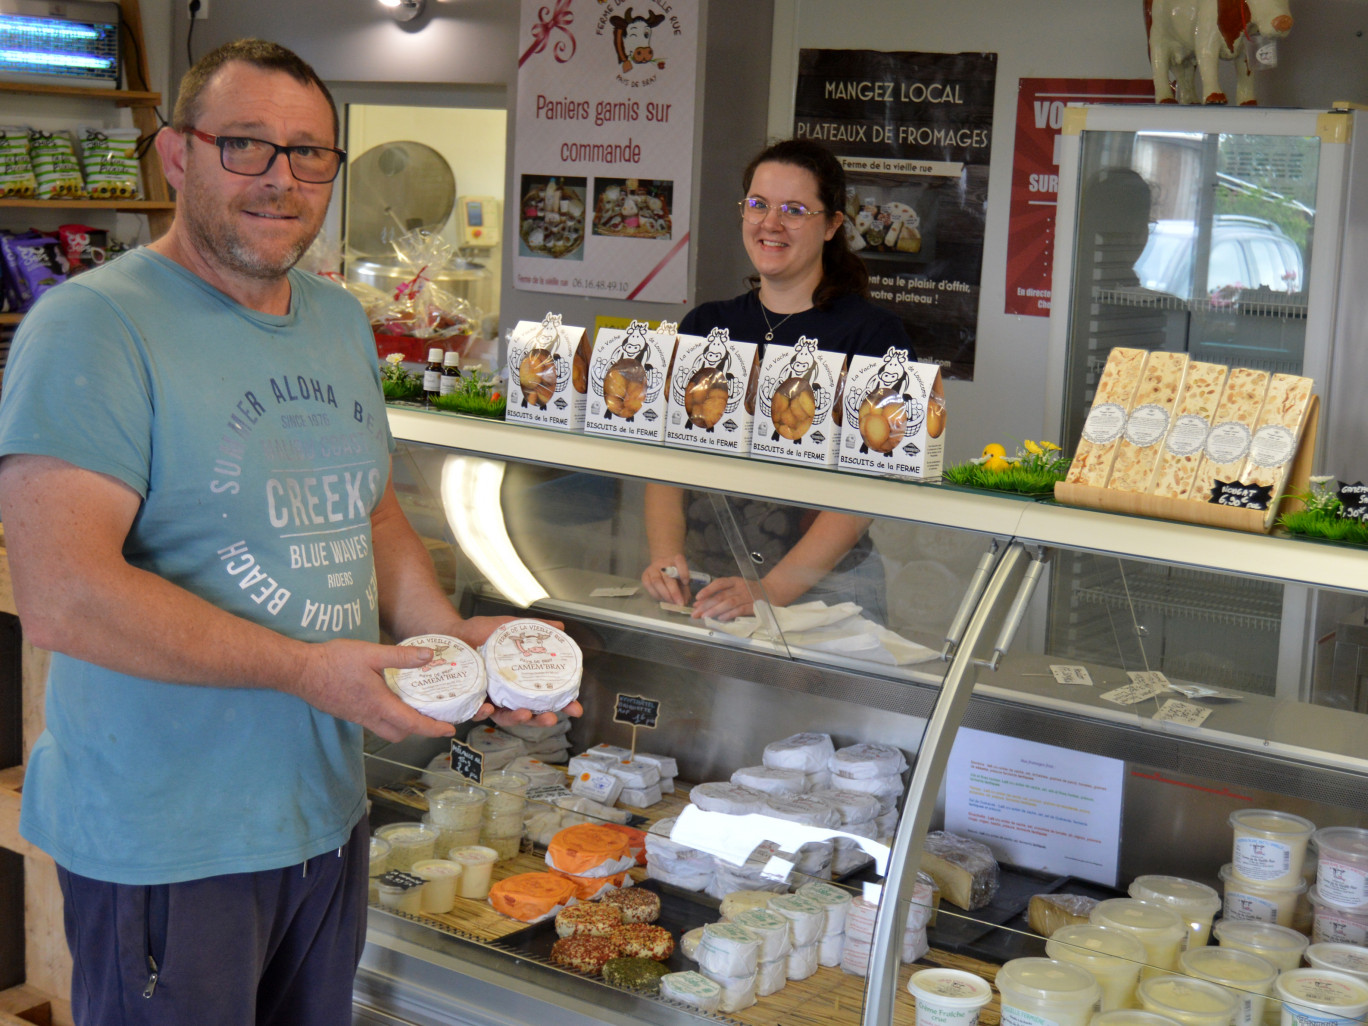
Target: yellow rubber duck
994, 458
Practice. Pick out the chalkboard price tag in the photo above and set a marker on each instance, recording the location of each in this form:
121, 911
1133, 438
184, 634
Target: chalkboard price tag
1355, 499
404, 881
638, 711
466, 761
1232, 493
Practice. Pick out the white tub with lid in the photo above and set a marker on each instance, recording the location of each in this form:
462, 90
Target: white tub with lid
1269, 846
1132, 1017
1336, 925
1343, 958
1246, 975
1246, 899
1321, 997
1342, 866
1195, 902
1279, 944
1161, 930
1041, 991
1190, 1002
948, 997
1113, 957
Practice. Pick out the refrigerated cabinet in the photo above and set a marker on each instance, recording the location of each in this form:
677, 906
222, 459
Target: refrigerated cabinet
523, 518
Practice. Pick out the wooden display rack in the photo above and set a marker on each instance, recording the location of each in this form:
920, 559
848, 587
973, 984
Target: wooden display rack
1209, 514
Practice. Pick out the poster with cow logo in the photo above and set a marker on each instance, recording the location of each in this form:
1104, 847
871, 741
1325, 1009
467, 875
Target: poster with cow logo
914, 132
1035, 178
603, 152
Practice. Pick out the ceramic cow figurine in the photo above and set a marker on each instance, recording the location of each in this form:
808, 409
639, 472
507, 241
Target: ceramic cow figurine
1187, 36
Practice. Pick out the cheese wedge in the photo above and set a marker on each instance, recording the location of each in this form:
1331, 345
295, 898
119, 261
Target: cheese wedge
964, 870
1046, 913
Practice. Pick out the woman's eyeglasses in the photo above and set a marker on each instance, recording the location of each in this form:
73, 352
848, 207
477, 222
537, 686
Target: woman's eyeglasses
791, 215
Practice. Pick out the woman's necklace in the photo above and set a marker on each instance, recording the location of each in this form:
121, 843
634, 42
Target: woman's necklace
769, 335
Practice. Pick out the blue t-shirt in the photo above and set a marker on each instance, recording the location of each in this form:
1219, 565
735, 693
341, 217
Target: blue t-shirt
259, 445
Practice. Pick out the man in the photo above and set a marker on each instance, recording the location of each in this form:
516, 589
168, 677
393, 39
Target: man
201, 526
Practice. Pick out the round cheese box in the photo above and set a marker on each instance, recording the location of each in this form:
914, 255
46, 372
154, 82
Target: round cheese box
532, 665
450, 688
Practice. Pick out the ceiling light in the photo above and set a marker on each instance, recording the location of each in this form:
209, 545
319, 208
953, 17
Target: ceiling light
403, 10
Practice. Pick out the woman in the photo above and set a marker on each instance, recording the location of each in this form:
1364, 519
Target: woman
807, 283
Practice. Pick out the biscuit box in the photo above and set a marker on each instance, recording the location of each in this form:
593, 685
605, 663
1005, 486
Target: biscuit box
543, 388
628, 374
712, 395
893, 420
796, 411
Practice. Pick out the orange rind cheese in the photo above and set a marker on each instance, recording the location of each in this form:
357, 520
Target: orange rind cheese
531, 896
588, 888
578, 850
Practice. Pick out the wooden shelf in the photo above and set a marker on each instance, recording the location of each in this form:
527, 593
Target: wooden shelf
130, 206
10, 318
118, 97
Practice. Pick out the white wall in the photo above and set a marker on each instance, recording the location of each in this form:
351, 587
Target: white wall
1323, 60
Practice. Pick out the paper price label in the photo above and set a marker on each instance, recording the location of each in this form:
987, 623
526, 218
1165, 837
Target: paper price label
1071, 674
1185, 713
1149, 677
624, 592
1130, 694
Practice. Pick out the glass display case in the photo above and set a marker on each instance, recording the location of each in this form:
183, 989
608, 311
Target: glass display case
938, 633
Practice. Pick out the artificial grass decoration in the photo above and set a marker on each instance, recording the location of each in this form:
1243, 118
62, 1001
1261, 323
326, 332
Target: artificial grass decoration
1026, 480
476, 393
1323, 516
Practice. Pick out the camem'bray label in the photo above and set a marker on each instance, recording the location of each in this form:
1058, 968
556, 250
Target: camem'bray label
532, 665
450, 687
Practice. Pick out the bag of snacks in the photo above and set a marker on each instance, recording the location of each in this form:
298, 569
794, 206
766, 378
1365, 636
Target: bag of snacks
83, 246
34, 263
109, 157
16, 172
54, 165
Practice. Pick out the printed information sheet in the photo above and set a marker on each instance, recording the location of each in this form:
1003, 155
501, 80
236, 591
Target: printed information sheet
1037, 806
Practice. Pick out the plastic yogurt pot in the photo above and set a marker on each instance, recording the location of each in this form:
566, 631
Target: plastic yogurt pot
439, 893
1343, 958
1247, 900
456, 808
1161, 930
1342, 866
450, 688
1332, 924
1190, 1002
1131, 1017
948, 997
1246, 975
1113, 957
477, 867
408, 843
1036, 989
402, 897
1321, 997
1195, 902
1269, 846
506, 792
532, 665
1279, 944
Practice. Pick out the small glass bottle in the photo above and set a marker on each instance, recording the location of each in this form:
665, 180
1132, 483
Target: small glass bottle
451, 372
432, 375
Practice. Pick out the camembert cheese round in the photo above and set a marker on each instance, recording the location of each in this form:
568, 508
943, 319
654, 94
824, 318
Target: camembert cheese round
450, 688
532, 665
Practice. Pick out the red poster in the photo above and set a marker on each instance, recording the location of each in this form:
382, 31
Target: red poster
1035, 177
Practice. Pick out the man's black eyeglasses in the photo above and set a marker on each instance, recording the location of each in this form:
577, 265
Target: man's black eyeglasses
316, 165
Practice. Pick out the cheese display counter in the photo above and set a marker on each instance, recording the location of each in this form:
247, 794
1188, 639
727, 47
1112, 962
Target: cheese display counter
932, 659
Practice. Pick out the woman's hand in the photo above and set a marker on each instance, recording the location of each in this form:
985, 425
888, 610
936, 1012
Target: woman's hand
668, 589
725, 598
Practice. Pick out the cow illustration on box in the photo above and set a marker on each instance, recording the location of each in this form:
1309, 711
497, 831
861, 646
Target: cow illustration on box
624, 378
1191, 37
